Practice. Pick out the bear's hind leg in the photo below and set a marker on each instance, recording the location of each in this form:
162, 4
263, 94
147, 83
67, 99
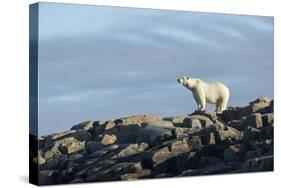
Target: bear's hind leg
222, 106
217, 108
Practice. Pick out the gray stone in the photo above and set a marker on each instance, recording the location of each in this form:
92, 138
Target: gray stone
154, 134
204, 121
108, 139
114, 172
72, 147
260, 100
232, 153
251, 134
252, 154
268, 119
47, 177
39, 160
138, 119
254, 120
176, 120
191, 123
93, 146
51, 153
87, 125
131, 150
139, 175
161, 124
109, 125
263, 163
82, 135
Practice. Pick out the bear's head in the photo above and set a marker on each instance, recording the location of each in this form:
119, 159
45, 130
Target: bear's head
187, 82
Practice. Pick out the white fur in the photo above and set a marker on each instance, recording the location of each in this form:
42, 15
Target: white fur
203, 92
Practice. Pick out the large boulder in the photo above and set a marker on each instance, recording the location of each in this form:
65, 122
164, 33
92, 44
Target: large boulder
260, 105
176, 120
235, 153
114, 172
263, 163
82, 135
192, 121
138, 119
47, 177
132, 149
268, 119
86, 125
93, 146
72, 147
108, 139
156, 132
51, 153
254, 120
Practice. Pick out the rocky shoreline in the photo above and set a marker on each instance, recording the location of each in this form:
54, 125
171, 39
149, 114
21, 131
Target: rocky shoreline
145, 146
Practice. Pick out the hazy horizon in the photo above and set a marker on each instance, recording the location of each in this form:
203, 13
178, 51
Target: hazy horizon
102, 62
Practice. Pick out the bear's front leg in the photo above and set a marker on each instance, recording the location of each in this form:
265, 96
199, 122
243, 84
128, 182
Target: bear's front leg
202, 106
201, 100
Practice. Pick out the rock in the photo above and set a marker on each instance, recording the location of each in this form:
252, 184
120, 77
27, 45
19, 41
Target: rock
209, 138
251, 134
238, 124
263, 163
191, 123
57, 136
180, 132
52, 164
87, 125
177, 163
51, 153
180, 146
209, 160
62, 140
108, 139
82, 135
127, 134
161, 124
211, 115
252, 154
228, 134
138, 147
176, 120
109, 125
156, 132
236, 113
78, 180
93, 146
47, 177
260, 100
72, 147
254, 120
131, 150
39, 160
145, 173
267, 132
204, 121
114, 172
267, 119
138, 119
234, 153
260, 104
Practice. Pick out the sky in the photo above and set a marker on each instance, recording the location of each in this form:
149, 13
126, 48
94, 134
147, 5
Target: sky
103, 63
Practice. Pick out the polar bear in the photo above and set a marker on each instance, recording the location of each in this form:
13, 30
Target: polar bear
203, 92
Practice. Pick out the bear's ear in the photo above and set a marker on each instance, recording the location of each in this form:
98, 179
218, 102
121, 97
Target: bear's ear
186, 77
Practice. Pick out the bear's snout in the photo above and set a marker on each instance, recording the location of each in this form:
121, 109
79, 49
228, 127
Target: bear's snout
179, 80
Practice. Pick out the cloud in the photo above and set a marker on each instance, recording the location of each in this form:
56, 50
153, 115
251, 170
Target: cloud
105, 62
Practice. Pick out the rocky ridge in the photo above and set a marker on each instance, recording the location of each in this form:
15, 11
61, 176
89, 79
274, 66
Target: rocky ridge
144, 146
